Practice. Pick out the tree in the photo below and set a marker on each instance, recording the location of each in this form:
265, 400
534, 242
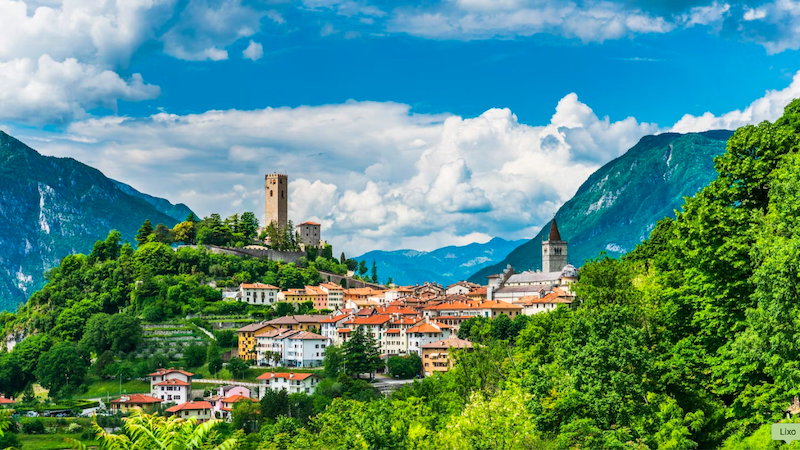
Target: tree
362, 268
245, 414
274, 403
194, 356
361, 353
405, 366
374, 272
95, 336
184, 232
146, 432
237, 367
342, 258
61, 369
162, 234
248, 225
214, 358
334, 361
144, 232
125, 333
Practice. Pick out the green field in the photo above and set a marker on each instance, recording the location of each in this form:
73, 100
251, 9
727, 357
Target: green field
49, 441
100, 388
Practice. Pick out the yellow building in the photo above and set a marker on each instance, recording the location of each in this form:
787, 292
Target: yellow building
437, 356
247, 339
299, 296
133, 402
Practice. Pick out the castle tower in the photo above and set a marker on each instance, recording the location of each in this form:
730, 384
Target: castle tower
554, 251
276, 198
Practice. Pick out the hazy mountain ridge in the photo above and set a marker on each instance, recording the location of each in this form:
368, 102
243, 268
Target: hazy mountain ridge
619, 204
445, 265
52, 207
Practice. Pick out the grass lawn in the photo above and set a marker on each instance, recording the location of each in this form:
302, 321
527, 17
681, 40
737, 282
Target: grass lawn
49, 441
99, 388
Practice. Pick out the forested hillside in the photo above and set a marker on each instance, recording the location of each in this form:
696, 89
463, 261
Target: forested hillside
53, 207
616, 207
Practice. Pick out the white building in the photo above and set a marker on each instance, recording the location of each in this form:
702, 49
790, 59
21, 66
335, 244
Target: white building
374, 325
335, 295
330, 325
258, 293
425, 333
535, 304
291, 382
460, 288
304, 349
171, 385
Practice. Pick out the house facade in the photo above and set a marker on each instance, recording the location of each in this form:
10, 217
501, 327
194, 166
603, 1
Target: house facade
437, 356
258, 293
291, 382
171, 385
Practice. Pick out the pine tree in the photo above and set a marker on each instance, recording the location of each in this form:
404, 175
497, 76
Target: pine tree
361, 353
192, 218
144, 232
342, 259
374, 272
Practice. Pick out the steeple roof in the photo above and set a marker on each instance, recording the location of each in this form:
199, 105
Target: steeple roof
554, 235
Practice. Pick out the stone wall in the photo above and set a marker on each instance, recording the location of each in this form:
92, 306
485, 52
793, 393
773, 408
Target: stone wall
266, 253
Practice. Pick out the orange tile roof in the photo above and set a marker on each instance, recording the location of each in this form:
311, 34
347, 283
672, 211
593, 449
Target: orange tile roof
426, 328
288, 376
343, 330
549, 298
190, 406
236, 398
472, 304
258, 286
161, 372
448, 343
173, 382
377, 319
315, 289
6, 401
334, 319
392, 331
332, 286
137, 398
309, 223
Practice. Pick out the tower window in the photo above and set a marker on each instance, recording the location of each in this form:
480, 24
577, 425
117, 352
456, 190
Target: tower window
270, 193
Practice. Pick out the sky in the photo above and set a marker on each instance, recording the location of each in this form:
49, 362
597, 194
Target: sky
400, 124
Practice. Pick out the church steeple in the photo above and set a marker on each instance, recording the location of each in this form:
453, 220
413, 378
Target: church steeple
554, 234
554, 250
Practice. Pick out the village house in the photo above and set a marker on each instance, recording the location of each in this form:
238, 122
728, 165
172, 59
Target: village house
247, 339
460, 288
291, 382
298, 296
460, 306
258, 293
425, 333
222, 393
226, 405
321, 299
291, 348
477, 294
171, 385
374, 325
534, 304
437, 356
201, 410
6, 402
335, 295
138, 402
329, 326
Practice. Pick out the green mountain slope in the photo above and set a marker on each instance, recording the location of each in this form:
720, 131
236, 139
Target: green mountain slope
618, 206
52, 207
445, 265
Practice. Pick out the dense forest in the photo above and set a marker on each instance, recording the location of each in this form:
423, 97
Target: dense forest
690, 341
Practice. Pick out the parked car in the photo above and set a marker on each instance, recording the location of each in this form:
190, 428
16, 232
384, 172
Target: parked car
62, 414
32, 414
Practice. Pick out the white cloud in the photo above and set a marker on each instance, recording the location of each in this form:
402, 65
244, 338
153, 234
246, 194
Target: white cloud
374, 174
769, 107
254, 51
46, 91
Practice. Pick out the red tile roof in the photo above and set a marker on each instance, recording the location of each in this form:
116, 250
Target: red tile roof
6, 401
288, 376
173, 382
190, 406
377, 319
236, 398
334, 319
427, 328
309, 223
161, 372
137, 399
343, 330
258, 286
392, 331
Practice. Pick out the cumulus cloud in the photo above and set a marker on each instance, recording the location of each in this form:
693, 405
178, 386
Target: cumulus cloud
376, 175
769, 107
46, 91
254, 51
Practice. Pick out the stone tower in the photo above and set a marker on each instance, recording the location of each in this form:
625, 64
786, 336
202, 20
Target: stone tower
276, 198
554, 251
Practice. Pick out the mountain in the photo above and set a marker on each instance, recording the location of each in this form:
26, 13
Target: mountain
618, 206
53, 207
178, 212
445, 265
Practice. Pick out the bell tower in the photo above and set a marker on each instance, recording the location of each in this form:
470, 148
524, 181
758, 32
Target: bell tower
554, 251
276, 199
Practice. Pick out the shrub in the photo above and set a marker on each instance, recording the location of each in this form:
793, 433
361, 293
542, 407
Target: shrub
32, 425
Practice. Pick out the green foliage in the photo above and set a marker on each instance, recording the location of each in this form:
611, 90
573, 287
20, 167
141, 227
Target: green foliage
194, 355
405, 366
361, 353
61, 369
237, 366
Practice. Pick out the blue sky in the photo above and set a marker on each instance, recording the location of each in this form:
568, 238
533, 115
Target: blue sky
401, 125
